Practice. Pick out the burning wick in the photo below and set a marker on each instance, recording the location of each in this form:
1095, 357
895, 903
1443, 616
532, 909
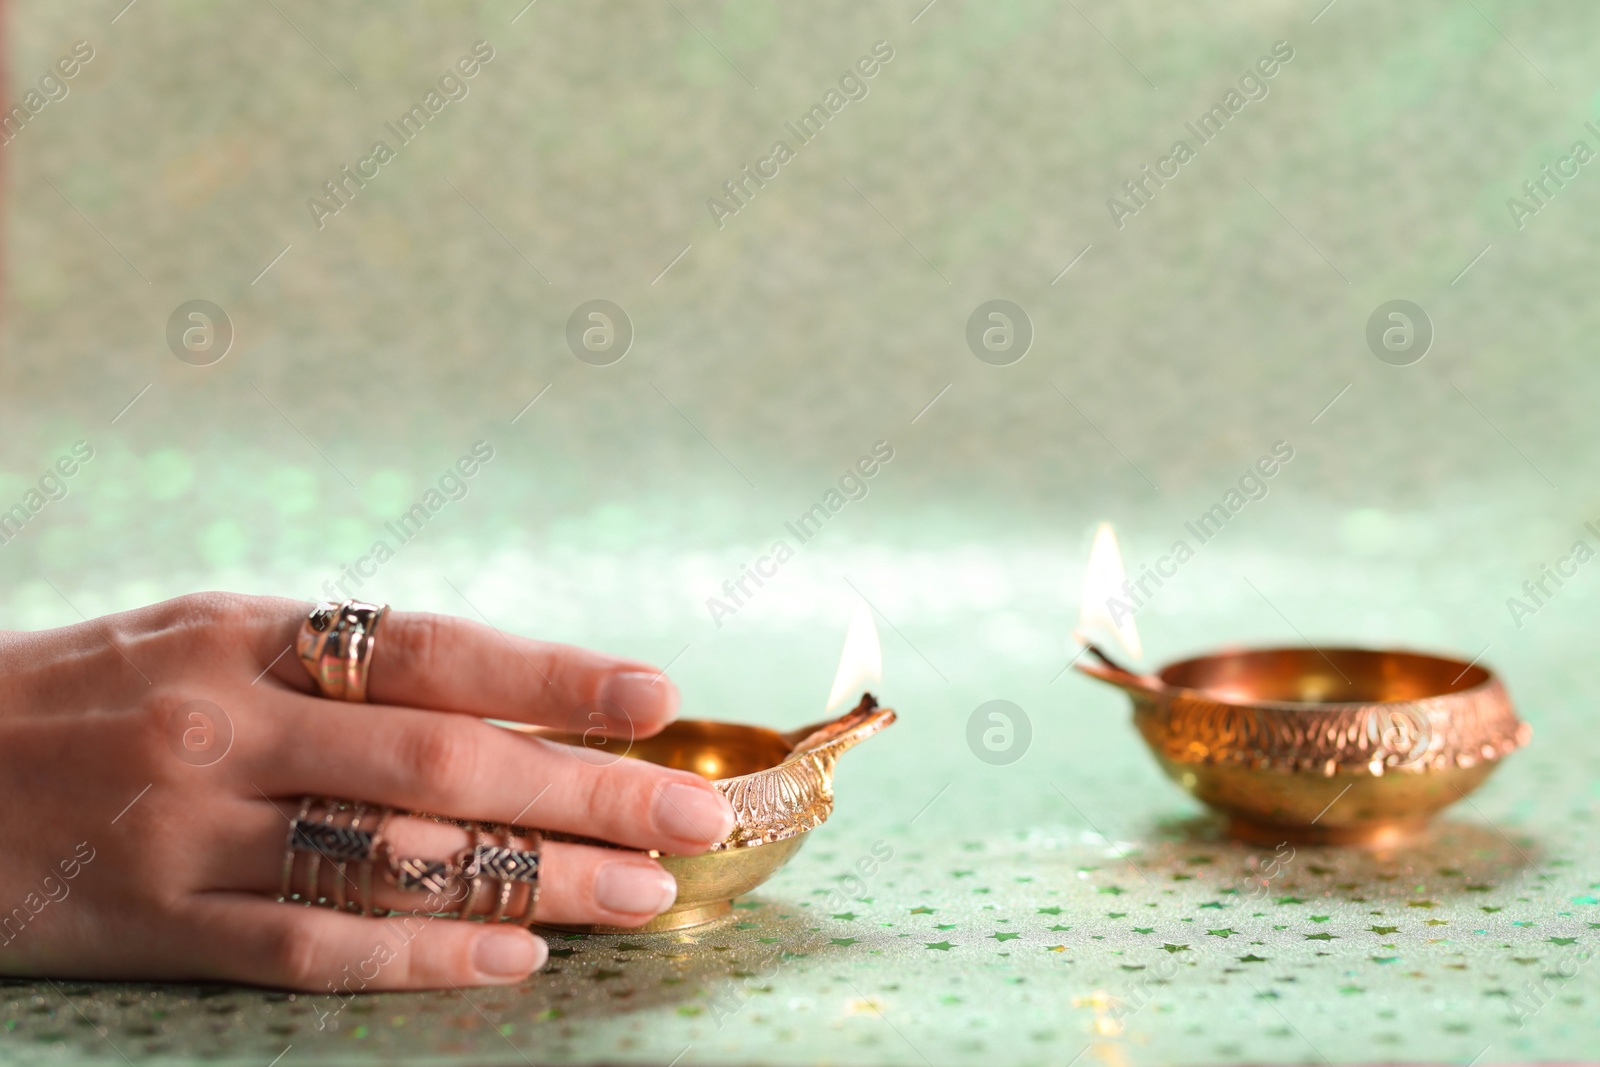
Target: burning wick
861, 662
1104, 615
1098, 653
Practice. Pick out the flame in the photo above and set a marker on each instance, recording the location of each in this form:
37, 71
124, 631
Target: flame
1102, 587
861, 662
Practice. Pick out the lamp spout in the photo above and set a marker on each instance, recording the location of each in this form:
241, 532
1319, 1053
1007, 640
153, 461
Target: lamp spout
846, 731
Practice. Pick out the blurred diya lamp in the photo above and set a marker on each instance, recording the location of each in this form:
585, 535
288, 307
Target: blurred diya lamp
1330, 746
779, 784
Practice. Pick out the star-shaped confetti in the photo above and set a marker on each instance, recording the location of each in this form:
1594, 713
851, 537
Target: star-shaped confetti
1175, 948
1219, 905
846, 916
1056, 948
1383, 929
845, 941
924, 910
1322, 937
941, 946
1252, 958
1002, 936
1422, 903
1225, 932
1144, 929
1436, 922
1050, 911
1288, 900
1320, 918
1563, 940
1112, 890
1058, 928
944, 926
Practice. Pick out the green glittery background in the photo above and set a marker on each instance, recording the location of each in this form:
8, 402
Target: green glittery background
1072, 901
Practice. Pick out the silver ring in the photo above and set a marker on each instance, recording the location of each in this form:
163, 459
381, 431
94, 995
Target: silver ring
513, 867
505, 864
338, 841
413, 875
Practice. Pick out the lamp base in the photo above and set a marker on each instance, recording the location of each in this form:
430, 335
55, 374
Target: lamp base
673, 919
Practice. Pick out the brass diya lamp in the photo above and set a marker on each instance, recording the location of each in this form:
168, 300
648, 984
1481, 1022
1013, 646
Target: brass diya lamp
1332, 746
780, 786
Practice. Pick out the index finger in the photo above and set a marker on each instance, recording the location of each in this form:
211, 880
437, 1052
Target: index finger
444, 663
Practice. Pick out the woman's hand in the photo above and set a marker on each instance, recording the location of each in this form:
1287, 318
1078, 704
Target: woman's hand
144, 833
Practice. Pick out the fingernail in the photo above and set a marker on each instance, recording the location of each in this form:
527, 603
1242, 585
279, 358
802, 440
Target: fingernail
506, 954
644, 695
693, 813
635, 888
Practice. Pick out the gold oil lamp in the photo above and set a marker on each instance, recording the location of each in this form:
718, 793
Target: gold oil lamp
779, 784
1332, 746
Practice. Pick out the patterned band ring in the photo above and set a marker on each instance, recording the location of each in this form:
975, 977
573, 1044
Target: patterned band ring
506, 864
345, 833
483, 859
335, 833
469, 871
508, 888
511, 867
420, 876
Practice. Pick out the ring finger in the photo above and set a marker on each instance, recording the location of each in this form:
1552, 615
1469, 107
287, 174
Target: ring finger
577, 883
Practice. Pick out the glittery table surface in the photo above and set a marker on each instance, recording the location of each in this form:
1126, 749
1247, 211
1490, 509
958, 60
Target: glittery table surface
954, 910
